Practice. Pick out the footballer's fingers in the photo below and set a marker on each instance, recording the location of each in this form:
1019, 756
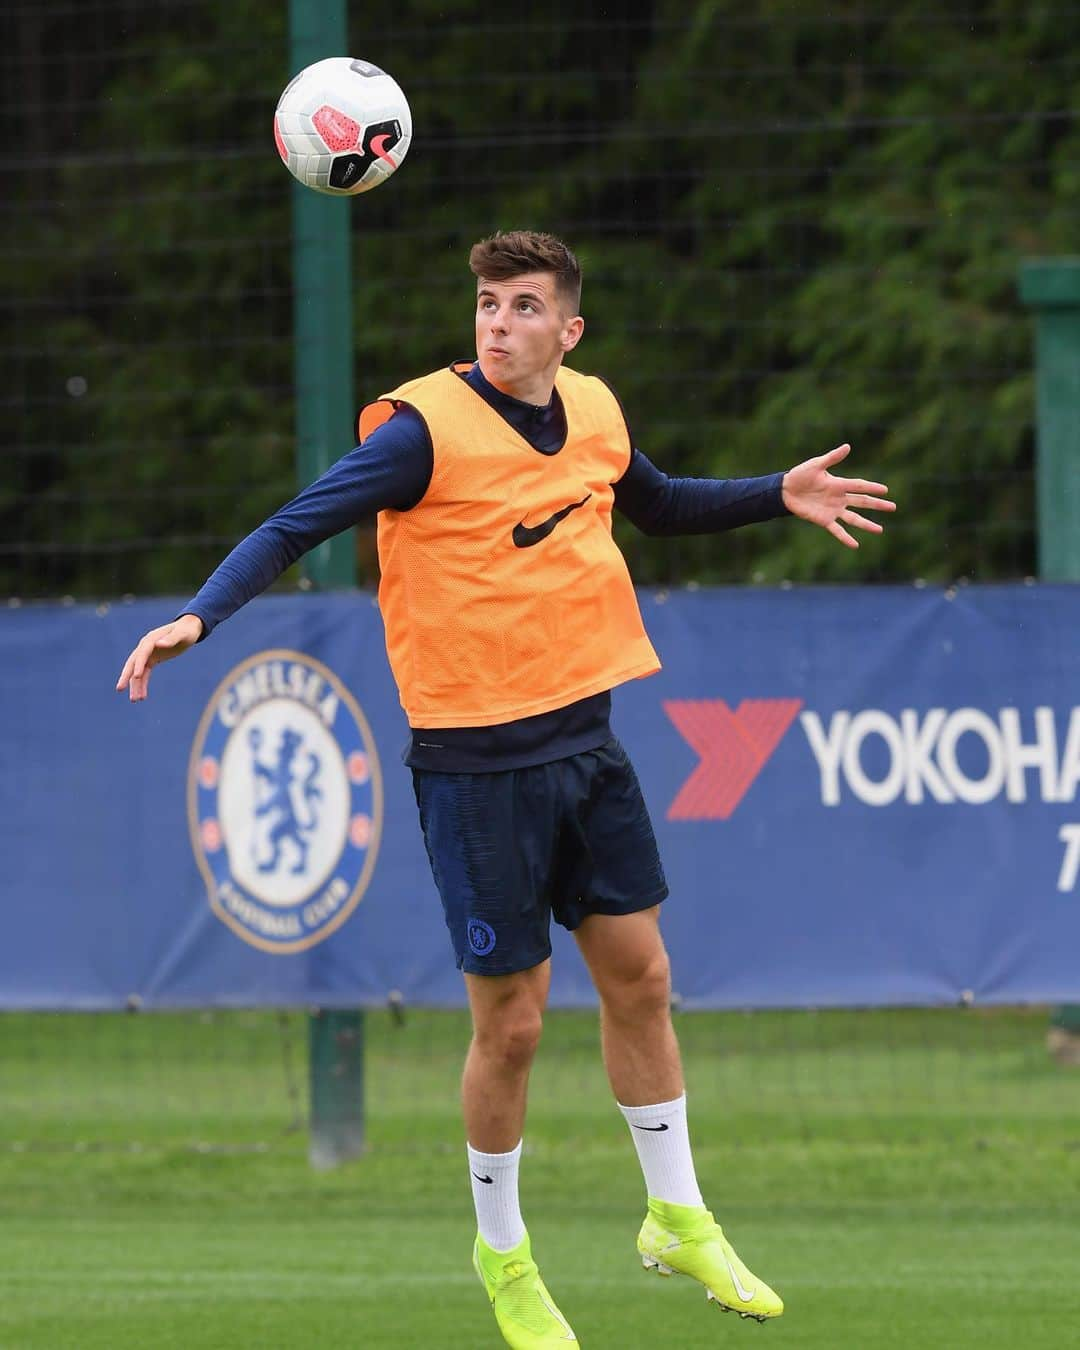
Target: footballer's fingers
860, 522
832, 457
133, 676
125, 673
838, 532
138, 688
156, 646
870, 503
133, 661
865, 485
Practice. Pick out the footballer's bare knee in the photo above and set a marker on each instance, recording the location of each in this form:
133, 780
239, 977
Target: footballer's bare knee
508, 1016
628, 962
637, 990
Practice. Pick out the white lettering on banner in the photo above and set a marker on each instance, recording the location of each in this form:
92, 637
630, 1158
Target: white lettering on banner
1070, 863
921, 769
874, 723
278, 679
922, 756
1070, 760
972, 721
259, 918
827, 749
1018, 756
333, 897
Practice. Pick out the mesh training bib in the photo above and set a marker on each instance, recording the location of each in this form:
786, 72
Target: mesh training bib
503, 593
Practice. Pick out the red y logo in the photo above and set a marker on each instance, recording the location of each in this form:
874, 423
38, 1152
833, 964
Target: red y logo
733, 746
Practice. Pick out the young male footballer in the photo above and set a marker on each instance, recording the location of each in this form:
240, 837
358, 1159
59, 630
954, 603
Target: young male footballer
510, 616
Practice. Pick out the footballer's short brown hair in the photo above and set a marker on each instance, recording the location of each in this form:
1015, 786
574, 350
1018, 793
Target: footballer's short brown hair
511, 253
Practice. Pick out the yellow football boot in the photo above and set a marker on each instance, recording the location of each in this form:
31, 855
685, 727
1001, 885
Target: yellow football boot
687, 1240
525, 1311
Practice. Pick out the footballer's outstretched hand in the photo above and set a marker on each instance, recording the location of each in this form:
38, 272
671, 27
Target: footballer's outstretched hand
811, 492
160, 644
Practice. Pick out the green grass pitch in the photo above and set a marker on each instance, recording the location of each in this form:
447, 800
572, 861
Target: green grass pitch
904, 1179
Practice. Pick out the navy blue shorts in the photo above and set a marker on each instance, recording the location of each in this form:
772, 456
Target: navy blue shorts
511, 850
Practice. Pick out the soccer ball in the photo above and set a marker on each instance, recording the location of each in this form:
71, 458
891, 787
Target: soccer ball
342, 126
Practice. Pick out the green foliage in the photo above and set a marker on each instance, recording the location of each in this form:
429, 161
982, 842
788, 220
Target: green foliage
876, 195
800, 225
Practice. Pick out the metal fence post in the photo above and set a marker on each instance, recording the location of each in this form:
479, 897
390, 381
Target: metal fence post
336, 1059
322, 306
1051, 286
323, 374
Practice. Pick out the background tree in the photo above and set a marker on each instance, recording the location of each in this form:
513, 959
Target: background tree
800, 224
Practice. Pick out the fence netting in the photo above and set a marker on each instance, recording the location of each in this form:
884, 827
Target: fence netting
800, 225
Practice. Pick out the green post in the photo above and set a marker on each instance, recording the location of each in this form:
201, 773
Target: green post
336, 1059
322, 306
1051, 286
323, 374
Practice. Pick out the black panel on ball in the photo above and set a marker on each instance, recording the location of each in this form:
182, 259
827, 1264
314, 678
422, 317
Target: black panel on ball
347, 170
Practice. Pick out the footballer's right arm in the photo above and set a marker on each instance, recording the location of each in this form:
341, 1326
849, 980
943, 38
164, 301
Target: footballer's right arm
390, 471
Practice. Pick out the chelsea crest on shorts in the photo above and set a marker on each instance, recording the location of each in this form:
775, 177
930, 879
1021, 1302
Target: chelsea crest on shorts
284, 801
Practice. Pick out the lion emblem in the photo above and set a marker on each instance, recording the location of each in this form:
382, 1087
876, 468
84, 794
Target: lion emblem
286, 799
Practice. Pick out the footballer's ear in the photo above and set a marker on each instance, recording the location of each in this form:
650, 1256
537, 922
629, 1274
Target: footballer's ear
571, 333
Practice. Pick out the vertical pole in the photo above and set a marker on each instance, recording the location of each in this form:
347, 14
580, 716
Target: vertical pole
336, 1058
322, 306
1051, 286
323, 375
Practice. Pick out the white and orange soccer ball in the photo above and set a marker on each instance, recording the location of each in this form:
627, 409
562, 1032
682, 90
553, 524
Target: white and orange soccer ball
342, 126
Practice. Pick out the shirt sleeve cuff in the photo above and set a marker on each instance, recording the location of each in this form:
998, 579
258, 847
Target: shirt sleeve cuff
206, 624
775, 492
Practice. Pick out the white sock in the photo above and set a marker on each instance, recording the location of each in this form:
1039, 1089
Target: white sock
495, 1195
662, 1141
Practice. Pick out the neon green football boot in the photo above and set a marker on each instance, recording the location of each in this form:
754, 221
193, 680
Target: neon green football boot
687, 1240
525, 1311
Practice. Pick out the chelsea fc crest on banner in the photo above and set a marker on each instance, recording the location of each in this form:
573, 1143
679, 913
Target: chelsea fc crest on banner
284, 801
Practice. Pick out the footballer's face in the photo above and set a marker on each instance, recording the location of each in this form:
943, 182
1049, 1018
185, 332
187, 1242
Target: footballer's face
522, 334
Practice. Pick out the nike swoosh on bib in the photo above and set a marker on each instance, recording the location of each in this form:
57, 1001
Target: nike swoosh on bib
527, 535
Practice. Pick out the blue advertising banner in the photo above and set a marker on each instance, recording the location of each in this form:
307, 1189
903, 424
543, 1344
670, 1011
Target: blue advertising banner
862, 797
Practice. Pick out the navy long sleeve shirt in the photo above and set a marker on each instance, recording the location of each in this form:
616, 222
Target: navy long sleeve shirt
391, 471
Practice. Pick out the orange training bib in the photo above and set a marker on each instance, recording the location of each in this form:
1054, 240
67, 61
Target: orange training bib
503, 592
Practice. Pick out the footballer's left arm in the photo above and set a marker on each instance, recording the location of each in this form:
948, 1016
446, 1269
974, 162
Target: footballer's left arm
660, 505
